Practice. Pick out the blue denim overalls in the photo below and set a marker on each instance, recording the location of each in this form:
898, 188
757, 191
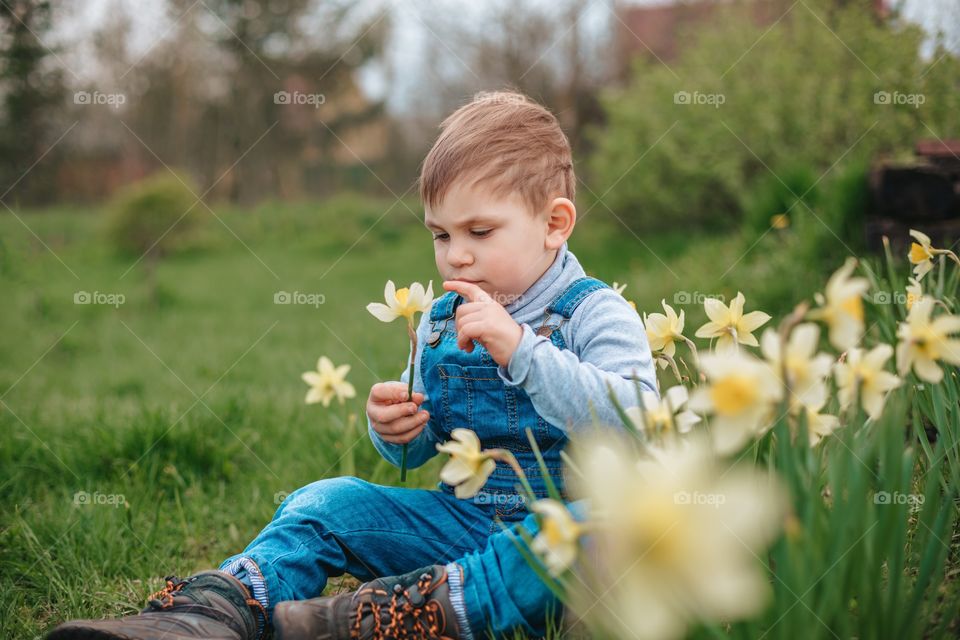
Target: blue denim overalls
465, 391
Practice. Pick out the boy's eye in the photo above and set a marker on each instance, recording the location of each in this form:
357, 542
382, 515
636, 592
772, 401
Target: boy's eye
481, 232
440, 236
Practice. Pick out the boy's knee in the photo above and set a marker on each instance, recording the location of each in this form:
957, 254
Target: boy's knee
326, 494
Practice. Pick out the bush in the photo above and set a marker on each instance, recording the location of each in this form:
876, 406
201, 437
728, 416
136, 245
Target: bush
155, 216
802, 94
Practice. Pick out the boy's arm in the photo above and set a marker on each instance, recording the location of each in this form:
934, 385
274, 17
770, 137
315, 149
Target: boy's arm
423, 447
611, 347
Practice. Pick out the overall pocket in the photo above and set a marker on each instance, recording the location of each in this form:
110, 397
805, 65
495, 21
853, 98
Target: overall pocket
474, 397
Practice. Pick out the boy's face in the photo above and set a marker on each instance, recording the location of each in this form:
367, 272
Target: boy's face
494, 242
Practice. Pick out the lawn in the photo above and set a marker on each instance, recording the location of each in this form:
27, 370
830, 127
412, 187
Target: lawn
157, 436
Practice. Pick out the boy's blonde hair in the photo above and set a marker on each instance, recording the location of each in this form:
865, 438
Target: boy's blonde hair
505, 140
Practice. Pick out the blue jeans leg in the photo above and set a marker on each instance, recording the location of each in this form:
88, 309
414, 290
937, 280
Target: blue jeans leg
350, 525
502, 593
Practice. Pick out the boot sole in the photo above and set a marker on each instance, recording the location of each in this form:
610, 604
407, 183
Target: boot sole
86, 633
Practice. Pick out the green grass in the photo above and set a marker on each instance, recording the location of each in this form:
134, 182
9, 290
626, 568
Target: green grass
104, 400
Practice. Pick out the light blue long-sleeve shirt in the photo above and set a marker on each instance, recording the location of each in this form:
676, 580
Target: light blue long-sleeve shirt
606, 344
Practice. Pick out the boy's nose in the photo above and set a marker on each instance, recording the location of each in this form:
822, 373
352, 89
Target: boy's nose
458, 257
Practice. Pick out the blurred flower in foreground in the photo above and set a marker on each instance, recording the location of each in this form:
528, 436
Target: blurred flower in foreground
740, 394
679, 537
729, 324
864, 369
557, 540
663, 415
914, 292
664, 331
842, 306
468, 467
403, 302
924, 341
806, 369
819, 425
328, 381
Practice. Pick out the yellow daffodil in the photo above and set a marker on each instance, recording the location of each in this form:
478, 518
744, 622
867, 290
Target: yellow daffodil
729, 324
806, 370
556, 542
819, 425
468, 467
924, 341
865, 369
328, 382
741, 393
403, 302
659, 573
914, 292
664, 330
663, 415
922, 253
842, 306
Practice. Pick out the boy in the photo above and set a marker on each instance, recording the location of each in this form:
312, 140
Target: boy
521, 339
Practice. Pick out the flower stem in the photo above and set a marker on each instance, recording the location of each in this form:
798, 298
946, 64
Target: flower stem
413, 355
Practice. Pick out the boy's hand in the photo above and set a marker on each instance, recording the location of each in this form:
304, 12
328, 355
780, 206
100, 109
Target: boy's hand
483, 319
392, 416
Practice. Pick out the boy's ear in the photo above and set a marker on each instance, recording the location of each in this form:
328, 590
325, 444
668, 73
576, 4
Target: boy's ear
561, 217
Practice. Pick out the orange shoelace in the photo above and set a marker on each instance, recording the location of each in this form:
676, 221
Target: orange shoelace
164, 599
427, 620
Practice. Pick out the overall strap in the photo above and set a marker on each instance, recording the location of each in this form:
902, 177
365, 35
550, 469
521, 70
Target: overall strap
445, 306
575, 293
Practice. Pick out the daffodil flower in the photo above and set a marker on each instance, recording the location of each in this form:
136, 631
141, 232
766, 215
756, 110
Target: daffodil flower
922, 253
864, 370
659, 572
328, 382
663, 415
819, 425
842, 306
806, 370
468, 468
617, 287
729, 324
924, 341
914, 292
402, 303
558, 537
742, 391
664, 330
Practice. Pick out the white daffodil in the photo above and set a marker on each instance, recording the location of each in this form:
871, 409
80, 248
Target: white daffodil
924, 341
328, 382
805, 368
403, 302
468, 467
914, 292
740, 394
819, 425
664, 330
865, 369
557, 540
921, 254
616, 286
729, 324
663, 415
842, 306
678, 538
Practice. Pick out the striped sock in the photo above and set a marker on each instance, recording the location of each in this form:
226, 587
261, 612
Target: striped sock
246, 571
455, 580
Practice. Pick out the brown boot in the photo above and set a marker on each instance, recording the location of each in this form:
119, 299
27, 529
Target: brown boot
414, 605
210, 604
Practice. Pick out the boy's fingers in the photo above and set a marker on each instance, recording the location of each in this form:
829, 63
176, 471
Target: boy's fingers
404, 438
389, 412
404, 424
392, 392
468, 290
